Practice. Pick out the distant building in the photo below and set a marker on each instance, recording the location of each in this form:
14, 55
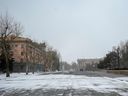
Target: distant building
25, 51
88, 64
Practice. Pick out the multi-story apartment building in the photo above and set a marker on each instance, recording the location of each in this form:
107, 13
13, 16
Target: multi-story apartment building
88, 64
27, 53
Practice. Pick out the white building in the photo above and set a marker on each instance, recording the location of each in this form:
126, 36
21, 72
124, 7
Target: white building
88, 64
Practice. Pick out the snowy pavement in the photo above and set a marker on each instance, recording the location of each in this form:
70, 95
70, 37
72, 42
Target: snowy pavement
59, 84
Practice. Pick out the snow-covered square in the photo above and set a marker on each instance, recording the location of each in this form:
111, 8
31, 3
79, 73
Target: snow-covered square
80, 83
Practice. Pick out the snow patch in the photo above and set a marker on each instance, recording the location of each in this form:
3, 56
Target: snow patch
60, 81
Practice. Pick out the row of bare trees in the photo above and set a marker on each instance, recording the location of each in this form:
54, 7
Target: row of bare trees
8, 28
117, 58
51, 60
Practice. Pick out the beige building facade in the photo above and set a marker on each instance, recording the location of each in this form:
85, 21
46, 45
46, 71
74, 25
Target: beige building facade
26, 52
87, 64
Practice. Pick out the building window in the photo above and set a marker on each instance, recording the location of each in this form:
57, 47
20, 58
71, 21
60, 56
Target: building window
16, 45
21, 60
22, 46
11, 53
22, 53
12, 45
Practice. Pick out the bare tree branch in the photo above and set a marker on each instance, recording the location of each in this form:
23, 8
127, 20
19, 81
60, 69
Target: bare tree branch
8, 28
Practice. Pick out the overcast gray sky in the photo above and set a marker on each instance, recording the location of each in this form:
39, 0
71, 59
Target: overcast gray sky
76, 28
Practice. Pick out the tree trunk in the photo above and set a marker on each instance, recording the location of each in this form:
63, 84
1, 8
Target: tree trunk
7, 68
6, 60
33, 68
27, 69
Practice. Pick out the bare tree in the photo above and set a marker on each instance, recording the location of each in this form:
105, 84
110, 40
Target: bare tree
52, 58
9, 30
118, 51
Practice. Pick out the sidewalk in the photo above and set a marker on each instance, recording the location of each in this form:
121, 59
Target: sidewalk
102, 73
